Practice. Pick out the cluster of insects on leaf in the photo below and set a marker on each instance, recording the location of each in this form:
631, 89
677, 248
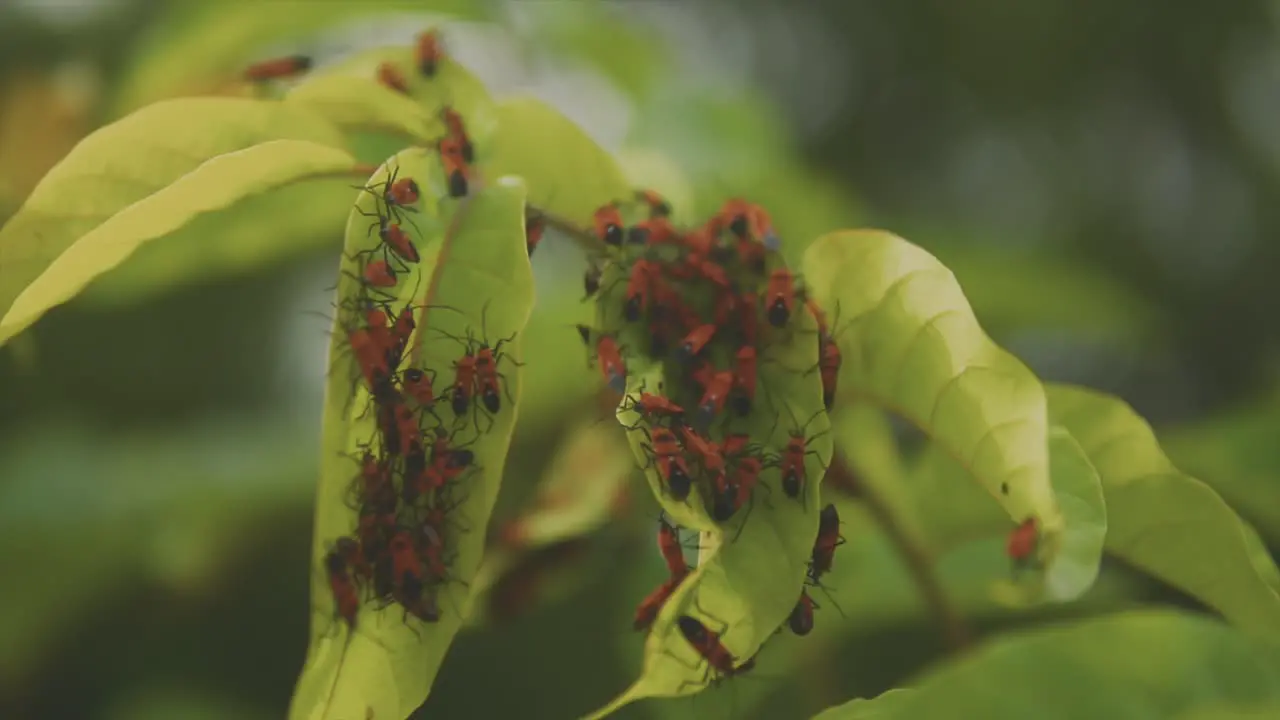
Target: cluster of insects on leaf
714, 306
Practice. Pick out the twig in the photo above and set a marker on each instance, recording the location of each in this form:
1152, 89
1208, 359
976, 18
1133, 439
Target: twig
583, 238
955, 630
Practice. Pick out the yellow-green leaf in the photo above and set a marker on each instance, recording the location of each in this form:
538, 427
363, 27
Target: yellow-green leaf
131, 159
214, 186
1143, 663
911, 344
1162, 521
473, 279
364, 104
553, 155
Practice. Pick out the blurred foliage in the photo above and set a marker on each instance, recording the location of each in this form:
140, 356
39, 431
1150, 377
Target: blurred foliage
1099, 177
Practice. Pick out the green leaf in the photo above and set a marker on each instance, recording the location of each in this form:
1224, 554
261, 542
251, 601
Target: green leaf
214, 186
364, 104
1137, 664
911, 344
957, 514
198, 46
751, 568
474, 277
553, 155
1162, 521
1237, 455
654, 170
130, 160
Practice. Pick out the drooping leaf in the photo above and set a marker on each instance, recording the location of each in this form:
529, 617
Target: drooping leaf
1143, 663
911, 344
958, 514
1236, 455
751, 568
553, 155
473, 280
214, 186
129, 160
200, 46
1162, 521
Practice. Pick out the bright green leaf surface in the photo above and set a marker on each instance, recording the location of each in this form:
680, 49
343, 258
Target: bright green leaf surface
911, 344
214, 186
1162, 521
130, 160
201, 45
364, 104
474, 262
1140, 664
553, 155
750, 572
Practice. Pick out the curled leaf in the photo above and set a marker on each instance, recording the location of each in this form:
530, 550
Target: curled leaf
212, 187
911, 344
1163, 521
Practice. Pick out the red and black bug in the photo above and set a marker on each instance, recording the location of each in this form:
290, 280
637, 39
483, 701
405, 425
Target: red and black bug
609, 358
429, 52
608, 224
279, 68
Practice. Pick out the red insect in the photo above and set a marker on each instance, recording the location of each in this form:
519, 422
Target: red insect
390, 77
647, 610
793, 458
608, 224
639, 288
278, 68
464, 380
709, 270
371, 352
419, 384
373, 488
743, 394
407, 579
672, 551
715, 394
708, 645
656, 230
609, 356
748, 221
829, 360
429, 52
780, 297
1023, 542
379, 274
488, 378
824, 546
735, 443
346, 598
748, 320
667, 454
457, 130
397, 240
654, 406
801, 619
694, 343
658, 205
700, 241
535, 224
456, 168
708, 452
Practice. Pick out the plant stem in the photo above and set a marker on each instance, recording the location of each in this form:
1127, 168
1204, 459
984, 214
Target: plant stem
955, 630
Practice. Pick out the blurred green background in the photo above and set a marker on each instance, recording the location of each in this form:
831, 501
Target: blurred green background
1102, 178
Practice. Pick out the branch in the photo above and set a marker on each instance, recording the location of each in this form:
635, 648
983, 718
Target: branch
955, 630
